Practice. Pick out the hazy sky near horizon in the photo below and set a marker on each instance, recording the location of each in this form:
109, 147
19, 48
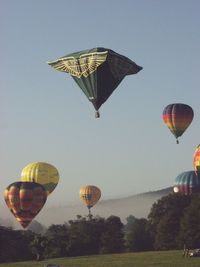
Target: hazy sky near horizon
46, 117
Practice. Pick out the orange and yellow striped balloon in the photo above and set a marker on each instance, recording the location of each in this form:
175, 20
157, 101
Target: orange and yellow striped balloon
196, 160
25, 200
90, 195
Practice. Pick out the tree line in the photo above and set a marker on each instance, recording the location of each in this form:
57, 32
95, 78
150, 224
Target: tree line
173, 222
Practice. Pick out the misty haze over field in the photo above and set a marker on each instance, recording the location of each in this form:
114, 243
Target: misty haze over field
137, 205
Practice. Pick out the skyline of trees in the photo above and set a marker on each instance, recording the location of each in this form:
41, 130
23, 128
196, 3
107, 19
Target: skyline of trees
172, 223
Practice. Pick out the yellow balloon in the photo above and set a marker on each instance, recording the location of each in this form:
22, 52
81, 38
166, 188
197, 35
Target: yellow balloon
90, 195
42, 173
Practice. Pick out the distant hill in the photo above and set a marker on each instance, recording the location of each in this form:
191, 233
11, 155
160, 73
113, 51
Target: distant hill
137, 205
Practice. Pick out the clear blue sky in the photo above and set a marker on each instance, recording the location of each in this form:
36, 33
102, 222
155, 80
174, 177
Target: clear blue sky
46, 117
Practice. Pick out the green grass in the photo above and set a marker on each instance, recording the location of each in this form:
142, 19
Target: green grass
142, 259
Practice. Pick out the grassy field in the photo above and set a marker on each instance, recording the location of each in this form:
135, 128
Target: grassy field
142, 259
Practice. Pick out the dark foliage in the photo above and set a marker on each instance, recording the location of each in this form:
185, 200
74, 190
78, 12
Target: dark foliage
173, 223
190, 224
137, 236
84, 236
15, 245
112, 238
171, 218
57, 240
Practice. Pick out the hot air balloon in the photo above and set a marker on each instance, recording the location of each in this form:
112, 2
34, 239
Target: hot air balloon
178, 117
196, 160
97, 71
42, 173
25, 200
90, 195
187, 183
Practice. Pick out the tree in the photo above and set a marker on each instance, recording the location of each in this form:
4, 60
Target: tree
84, 236
190, 224
167, 231
130, 221
38, 246
137, 237
58, 238
164, 220
112, 238
15, 245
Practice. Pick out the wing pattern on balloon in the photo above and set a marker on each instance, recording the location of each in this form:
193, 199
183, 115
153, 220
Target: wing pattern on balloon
85, 65
97, 71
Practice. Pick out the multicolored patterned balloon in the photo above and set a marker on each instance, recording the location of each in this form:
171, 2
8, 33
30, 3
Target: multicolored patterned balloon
42, 173
90, 195
196, 160
178, 117
25, 200
187, 183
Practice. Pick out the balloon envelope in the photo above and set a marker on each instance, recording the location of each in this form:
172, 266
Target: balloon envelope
196, 160
97, 71
178, 117
42, 173
25, 200
187, 183
90, 195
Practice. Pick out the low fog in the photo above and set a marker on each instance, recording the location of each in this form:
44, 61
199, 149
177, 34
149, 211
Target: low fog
136, 205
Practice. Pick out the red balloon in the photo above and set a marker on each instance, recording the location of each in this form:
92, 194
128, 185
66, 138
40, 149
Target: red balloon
25, 200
